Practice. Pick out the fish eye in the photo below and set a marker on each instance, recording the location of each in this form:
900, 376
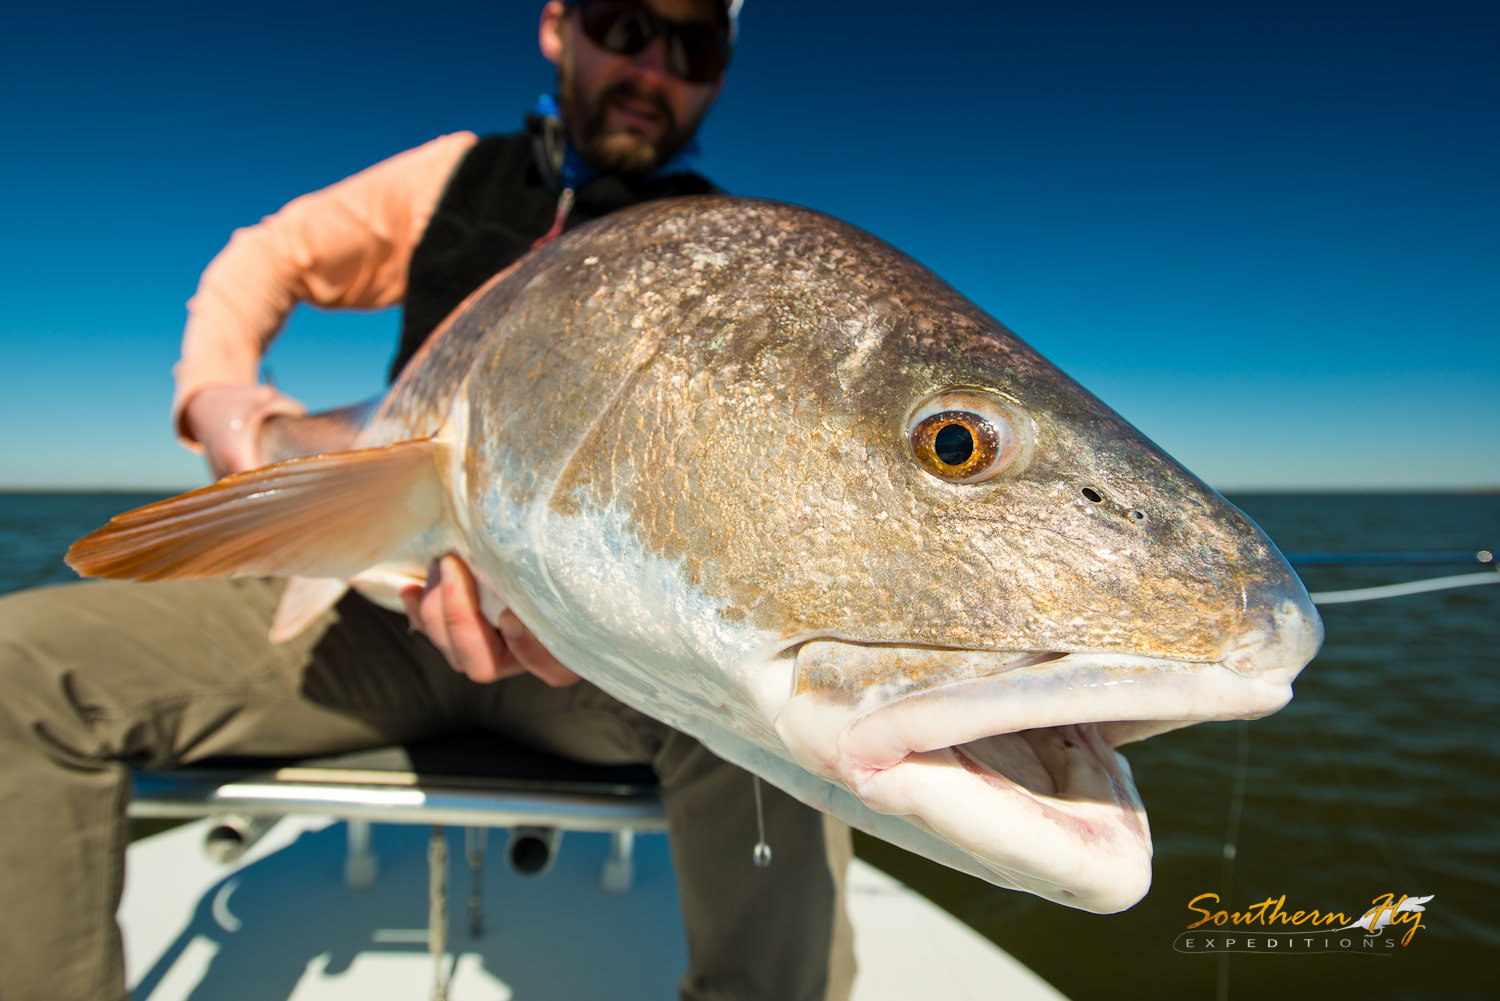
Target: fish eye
963, 436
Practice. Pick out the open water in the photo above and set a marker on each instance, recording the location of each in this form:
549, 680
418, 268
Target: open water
1382, 776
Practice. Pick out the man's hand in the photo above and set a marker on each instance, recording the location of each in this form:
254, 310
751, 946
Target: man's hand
226, 421
448, 611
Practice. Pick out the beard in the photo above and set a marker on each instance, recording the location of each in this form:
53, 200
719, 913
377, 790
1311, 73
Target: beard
627, 151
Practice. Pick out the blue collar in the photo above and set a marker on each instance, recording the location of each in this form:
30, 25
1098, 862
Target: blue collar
576, 173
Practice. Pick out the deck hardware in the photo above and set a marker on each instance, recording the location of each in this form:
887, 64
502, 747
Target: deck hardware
230, 836
360, 864
437, 911
532, 851
619, 867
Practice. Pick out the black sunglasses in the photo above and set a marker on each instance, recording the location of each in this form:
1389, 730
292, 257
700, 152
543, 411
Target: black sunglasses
695, 52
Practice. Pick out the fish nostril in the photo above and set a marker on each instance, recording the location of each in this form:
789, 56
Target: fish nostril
1136, 515
1092, 496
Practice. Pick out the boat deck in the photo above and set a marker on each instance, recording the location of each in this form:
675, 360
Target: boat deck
279, 923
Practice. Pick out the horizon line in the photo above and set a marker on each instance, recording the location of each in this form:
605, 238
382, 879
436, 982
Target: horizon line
1483, 490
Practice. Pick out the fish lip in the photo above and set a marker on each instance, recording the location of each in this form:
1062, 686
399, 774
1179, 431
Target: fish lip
1119, 693
1085, 842
1134, 695
1126, 694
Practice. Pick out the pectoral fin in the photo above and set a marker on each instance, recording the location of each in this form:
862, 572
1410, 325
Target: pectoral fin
321, 516
304, 599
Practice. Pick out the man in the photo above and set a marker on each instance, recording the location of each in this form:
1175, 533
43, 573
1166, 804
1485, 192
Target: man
99, 677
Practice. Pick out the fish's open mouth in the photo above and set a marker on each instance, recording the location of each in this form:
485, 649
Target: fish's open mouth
1052, 810
1011, 756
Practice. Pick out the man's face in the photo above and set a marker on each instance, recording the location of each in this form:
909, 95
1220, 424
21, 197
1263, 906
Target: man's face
626, 113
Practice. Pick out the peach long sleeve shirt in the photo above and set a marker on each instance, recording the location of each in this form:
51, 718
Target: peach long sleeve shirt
347, 246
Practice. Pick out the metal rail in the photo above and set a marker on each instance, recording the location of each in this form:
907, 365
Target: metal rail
393, 801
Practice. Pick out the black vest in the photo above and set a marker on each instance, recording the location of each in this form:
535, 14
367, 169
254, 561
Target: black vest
496, 205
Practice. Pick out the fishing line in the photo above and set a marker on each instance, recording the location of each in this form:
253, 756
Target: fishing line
1483, 556
1356, 804
762, 853
1382, 845
1397, 590
1231, 843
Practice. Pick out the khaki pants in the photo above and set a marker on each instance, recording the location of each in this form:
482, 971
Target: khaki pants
98, 678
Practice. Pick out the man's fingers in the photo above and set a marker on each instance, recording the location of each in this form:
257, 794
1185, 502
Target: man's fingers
421, 613
476, 648
448, 628
411, 597
530, 653
424, 606
448, 610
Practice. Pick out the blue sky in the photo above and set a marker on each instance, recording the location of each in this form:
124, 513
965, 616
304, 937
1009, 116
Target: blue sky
1264, 232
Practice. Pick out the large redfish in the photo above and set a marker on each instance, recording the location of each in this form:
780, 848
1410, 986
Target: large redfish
760, 475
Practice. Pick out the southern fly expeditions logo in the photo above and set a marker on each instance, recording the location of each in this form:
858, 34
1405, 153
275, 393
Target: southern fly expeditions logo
1269, 927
